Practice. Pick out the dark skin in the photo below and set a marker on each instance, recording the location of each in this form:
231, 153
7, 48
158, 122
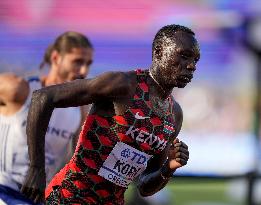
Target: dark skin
111, 94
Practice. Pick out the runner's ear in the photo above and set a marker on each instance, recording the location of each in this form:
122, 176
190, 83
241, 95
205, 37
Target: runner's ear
55, 56
158, 52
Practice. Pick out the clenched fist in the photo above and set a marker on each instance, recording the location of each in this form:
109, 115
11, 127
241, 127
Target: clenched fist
177, 156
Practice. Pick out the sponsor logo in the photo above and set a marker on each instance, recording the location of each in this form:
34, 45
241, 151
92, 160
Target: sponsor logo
60, 132
63, 133
139, 117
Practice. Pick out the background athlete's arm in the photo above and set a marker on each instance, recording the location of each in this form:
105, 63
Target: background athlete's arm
160, 168
44, 101
13, 93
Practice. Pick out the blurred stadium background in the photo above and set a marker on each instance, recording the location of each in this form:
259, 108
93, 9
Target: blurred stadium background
221, 119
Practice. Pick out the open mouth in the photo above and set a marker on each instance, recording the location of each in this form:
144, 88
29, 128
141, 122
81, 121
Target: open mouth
185, 78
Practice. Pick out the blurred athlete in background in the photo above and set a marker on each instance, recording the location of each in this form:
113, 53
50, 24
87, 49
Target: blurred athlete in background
69, 58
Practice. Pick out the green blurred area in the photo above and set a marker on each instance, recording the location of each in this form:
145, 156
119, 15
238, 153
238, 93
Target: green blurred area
195, 192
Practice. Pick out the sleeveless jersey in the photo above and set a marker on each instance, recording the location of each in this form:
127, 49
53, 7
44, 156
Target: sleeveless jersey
13, 142
112, 151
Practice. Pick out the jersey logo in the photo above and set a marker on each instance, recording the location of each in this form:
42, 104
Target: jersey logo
139, 117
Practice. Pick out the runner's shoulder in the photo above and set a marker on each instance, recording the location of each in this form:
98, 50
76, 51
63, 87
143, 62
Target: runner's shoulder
124, 81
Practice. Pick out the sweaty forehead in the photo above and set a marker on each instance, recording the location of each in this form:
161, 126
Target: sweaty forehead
182, 41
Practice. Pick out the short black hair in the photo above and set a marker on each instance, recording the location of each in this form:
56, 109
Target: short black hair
168, 31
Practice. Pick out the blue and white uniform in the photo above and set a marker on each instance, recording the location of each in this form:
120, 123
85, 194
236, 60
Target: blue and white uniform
14, 160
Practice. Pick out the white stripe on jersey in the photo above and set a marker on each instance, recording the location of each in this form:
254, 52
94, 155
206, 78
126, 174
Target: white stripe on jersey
4, 130
13, 148
13, 144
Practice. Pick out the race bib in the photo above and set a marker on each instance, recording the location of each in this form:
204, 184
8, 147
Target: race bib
124, 164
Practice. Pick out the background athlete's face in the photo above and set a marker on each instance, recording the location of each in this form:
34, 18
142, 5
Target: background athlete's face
75, 64
177, 62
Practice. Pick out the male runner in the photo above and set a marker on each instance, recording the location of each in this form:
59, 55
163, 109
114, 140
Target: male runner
130, 131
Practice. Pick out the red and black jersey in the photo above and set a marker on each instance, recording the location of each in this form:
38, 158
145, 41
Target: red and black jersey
139, 127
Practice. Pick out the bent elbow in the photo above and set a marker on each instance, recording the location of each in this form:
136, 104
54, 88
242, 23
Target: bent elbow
40, 97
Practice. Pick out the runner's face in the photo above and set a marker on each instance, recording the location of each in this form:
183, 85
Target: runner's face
178, 60
76, 64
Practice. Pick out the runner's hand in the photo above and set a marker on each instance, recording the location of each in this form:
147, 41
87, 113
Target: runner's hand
178, 154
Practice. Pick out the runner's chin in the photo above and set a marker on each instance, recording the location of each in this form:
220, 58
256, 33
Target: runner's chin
181, 84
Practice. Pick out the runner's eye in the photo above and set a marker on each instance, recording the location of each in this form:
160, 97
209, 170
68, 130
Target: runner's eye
185, 56
79, 62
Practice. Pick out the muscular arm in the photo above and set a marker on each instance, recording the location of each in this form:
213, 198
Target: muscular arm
151, 180
13, 93
76, 93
